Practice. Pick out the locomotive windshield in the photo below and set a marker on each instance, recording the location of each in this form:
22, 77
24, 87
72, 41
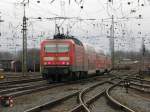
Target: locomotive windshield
63, 47
56, 48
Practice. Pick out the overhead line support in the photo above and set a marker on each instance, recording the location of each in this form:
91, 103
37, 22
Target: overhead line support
24, 42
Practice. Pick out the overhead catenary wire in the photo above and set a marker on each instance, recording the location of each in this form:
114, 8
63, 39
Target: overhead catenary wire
38, 11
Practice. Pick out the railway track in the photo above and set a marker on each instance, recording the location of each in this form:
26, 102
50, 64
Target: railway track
114, 105
85, 98
115, 102
60, 102
135, 100
3, 87
143, 81
30, 90
50, 103
84, 103
30, 79
72, 98
26, 87
137, 84
140, 87
26, 81
10, 76
20, 81
145, 88
17, 88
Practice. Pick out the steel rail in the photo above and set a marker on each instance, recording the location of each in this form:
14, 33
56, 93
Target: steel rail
123, 107
83, 104
20, 81
146, 81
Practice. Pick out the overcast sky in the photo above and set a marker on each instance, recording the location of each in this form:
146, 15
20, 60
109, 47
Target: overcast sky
128, 32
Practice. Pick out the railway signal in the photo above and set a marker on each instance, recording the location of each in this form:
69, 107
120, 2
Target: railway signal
126, 84
141, 76
112, 43
6, 101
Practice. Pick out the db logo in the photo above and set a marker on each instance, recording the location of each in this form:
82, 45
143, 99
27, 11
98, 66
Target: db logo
55, 58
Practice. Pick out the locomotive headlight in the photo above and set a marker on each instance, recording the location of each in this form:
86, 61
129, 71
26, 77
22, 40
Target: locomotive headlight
63, 62
49, 63
67, 63
45, 63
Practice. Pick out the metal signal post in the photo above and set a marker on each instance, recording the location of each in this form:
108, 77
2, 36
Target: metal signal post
112, 42
24, 42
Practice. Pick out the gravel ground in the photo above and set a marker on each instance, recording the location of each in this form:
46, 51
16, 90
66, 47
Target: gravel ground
64, 106
27, 101
102, 105
115, 80
132, 100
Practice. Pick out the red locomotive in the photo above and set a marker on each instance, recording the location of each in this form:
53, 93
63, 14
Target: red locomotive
68, 58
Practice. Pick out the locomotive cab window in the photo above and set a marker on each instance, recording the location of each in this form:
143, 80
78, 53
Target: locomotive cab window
57, 48
50, 48
63, 47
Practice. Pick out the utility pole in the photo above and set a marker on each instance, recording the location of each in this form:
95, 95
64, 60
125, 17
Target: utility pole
0, 24
24, 42
112, 42
142, 54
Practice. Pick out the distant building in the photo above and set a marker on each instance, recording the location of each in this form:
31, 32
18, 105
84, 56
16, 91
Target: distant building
5, 64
